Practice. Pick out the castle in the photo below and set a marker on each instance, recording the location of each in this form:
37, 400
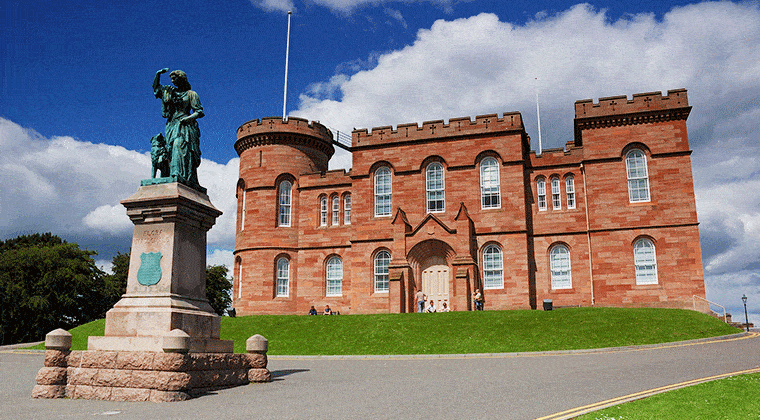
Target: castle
448, 208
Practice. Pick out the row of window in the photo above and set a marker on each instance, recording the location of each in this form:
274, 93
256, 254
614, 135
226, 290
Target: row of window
556, 194
644, 260
334, 211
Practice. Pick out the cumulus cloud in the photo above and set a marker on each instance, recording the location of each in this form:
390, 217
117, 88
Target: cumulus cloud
72, 188
480, 64
341, 6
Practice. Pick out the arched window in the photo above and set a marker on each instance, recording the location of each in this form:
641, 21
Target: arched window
239, 262
323, 211
382, 260
490, 194
335, 210
334, 277
570, 191
284, 211
435, 187
559, 261
541, 191
283, 277
638, 176
347, 209
242, 211
493, 268
645, 261
383, 192
556, 202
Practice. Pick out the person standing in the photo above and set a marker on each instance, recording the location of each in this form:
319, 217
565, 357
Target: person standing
421, 298
477, 298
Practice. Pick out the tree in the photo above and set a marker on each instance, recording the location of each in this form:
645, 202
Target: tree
120, 272
47, 283
218, 287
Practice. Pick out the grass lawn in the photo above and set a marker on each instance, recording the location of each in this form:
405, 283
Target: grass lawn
460, 332
730, 398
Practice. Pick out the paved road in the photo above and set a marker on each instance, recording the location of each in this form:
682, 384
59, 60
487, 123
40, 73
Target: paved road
516, 386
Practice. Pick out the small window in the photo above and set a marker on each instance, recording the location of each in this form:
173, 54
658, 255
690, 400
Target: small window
383, 192
493, 268
334, 277
382, 261
556, 202
638, 176
570, 191
242, 211
284, 212
541, 190
323, 211
335, 211
347, 209
559, 261
283, 277
490, 195
645, 260
435, 188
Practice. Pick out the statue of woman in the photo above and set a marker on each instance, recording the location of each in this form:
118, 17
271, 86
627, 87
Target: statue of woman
181, 107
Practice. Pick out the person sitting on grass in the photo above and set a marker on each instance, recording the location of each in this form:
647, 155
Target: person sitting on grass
312, 311
445, 307
431, 308
327, 311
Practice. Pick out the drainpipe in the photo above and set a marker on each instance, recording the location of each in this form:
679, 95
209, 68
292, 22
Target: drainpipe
588, 237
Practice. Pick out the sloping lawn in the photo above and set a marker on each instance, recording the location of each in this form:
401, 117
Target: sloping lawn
460, 332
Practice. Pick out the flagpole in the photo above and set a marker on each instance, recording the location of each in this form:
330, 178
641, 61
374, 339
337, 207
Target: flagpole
287, 57
538, 117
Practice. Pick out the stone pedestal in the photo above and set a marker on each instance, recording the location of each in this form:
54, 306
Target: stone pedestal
166, 287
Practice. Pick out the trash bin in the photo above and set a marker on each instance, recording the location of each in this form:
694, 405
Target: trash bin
547, 304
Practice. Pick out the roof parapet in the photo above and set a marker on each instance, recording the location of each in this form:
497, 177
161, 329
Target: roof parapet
640, 102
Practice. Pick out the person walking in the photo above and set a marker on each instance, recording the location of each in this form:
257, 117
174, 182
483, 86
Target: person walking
421, 298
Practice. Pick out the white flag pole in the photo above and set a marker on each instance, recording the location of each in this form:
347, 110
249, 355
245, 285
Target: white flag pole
538, 117
287, 57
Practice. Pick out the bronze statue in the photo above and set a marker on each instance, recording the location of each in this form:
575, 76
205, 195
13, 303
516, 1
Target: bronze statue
181, 107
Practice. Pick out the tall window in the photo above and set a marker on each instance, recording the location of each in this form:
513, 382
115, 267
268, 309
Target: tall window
559, 261
335, 210
570, 191
556, 202
541, 191
435, 188
323, 211
493, 268
383, 192
382, 260
489, 184
242, 212
334, 277
283, 277
347, 209
285, 191
638, 176
645, 260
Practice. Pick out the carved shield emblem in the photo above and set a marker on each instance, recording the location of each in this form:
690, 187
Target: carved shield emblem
149, 272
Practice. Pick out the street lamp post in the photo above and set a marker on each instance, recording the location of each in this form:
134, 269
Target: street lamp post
746, 319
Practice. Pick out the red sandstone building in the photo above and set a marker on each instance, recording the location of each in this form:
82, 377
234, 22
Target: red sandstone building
610, 220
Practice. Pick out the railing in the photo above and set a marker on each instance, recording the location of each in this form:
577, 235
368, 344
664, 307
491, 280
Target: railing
694, 299
341, 140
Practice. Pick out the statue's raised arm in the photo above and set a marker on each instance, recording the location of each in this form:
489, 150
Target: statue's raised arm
181, 107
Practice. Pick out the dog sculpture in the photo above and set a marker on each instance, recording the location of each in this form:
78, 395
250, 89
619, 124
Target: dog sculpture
159, 157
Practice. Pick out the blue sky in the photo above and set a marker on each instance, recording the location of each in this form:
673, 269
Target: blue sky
77, 110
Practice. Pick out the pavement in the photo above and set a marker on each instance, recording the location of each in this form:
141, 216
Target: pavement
547, 385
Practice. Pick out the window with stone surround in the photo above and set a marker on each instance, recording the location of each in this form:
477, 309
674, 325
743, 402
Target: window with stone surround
490, 193
335, 210
323, 211
284, 204
435, 186
570, 191
645, 261
541, 191
334, 277
559, 265
383, 193
638, 176
556, 201
493, 267
382, 261
283, 277
347, 209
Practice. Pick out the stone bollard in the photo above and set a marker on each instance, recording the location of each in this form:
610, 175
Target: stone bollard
52, 378
257, 347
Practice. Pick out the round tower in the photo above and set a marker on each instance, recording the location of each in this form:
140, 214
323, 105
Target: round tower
273, 154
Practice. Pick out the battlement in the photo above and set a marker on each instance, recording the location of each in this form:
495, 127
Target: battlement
464, 126
641, 102
291, 125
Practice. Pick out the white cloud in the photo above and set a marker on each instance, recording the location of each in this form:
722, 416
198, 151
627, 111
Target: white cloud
221, 257
73, 188
342, 6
